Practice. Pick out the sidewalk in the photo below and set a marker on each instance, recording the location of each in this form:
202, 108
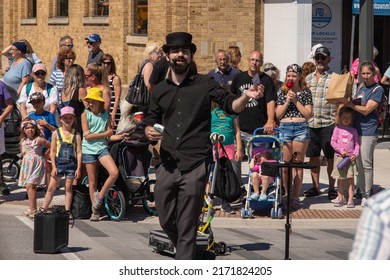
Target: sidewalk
311, 208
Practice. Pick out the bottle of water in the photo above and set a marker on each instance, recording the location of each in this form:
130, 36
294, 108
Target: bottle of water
346, 161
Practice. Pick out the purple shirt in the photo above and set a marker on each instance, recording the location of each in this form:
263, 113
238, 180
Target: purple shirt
345, 138
4, 95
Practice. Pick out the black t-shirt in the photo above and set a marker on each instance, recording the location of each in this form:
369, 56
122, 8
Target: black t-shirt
255, 113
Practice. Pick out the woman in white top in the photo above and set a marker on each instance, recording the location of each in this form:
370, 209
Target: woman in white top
39, 85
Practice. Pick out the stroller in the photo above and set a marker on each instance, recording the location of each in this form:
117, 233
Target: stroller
273, 144
133, 159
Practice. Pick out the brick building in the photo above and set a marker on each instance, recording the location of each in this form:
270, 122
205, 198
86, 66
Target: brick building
126, 26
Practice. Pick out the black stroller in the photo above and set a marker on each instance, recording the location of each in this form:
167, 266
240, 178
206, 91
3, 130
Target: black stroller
133, 159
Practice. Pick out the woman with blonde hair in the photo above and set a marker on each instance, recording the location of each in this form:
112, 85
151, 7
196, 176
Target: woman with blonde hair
272, 71
235, 56
152, 54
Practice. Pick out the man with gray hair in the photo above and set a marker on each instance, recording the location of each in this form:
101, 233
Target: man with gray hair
65, 42
223, 73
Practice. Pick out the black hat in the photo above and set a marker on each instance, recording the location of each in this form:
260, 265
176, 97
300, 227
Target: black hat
322, 50
179, 39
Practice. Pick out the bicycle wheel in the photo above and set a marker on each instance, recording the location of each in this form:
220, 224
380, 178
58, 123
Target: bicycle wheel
148, 202
10, 170
115, 204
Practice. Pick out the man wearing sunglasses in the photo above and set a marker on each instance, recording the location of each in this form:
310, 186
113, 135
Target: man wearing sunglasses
93, 42
66, 42
322, 123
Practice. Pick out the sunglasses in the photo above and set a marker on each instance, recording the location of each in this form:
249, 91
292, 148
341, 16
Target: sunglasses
270, 68
70, 46
87, 76
106, 62
320, 57
90, 43
71, 58
40, 73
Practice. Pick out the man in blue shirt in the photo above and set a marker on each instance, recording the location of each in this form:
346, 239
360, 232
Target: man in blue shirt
223, 73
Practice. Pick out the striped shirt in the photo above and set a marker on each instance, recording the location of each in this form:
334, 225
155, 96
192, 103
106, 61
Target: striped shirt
57, 79
372, 239
118, 111
324, 114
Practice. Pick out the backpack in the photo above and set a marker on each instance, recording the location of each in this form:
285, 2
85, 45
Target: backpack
29, 86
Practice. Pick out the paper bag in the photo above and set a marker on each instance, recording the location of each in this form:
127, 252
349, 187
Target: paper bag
340, 88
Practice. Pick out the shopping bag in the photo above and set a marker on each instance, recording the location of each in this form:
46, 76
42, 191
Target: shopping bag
340, 88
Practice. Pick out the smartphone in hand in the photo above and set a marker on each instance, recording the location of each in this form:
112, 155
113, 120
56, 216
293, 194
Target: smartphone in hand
256, 80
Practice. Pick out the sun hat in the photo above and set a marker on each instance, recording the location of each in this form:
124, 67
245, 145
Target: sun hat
94, 38
179, 39
67, 110
21, 46
39, 66
94, 94
36, 96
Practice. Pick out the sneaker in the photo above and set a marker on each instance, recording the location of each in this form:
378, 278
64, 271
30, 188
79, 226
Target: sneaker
95, 217
254, 197
364, 201
96, 204
263, 197
350, 204
337, 201
30, 213
332, 194
227, 208
339, 204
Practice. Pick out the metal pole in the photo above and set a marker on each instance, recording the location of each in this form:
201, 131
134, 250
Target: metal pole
352, 41
366, 31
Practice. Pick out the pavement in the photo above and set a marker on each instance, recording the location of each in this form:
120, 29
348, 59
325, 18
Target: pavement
327, 231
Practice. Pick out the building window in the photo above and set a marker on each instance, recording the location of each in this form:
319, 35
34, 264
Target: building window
62, 8
140, 15
102, 7
31, 8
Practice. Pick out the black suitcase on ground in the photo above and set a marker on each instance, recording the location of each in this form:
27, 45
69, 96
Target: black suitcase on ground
160, 242
51, 232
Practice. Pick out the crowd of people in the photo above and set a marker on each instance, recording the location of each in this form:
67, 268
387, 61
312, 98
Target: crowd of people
69, 117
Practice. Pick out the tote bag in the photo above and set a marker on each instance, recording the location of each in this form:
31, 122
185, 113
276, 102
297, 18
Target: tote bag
340, 88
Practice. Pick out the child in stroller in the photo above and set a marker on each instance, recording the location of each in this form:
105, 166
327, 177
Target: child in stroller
260, 155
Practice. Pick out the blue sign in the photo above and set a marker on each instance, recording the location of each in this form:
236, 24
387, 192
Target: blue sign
381, 7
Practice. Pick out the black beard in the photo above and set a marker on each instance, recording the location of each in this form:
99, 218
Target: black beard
179, 68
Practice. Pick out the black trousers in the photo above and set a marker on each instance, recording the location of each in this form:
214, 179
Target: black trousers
179, 200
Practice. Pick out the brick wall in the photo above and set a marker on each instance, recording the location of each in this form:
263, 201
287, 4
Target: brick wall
214, 24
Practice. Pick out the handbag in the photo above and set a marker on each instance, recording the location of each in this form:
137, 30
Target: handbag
340, 88
227, 183
138, 93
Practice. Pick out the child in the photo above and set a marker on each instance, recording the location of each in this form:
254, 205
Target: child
345, 142
260, 155
96, 124
46, 123
65, 155
32, 169
227, 125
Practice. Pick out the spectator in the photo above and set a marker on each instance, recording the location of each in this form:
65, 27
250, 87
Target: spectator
355, 68
66, 58
294, 109
20, 69
115, 87
321, 124
182, 176
30, 54
223, 73
94, 51
6, 106
66, 42
367, 98
307, 68
272, 71
386, 78
38, 85
152, 54
372, 238
235, 56
96, 76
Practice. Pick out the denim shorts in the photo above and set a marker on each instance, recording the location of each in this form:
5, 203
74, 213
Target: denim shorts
68, 170
295, 131
87, 158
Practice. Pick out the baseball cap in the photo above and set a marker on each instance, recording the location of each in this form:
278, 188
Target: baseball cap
36, 96
94, 38
322, 50
39, 66
67, 110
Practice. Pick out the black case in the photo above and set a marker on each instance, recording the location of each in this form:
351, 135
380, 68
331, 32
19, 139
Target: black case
81, 202
51, 232
161, 243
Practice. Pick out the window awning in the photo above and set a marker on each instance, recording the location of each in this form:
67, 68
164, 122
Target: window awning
381, 7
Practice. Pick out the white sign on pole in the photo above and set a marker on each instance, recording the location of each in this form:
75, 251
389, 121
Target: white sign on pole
327, 28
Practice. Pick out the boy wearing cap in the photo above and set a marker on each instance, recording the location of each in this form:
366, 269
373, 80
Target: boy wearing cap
95, 52
45, 121
182, 103
322, 123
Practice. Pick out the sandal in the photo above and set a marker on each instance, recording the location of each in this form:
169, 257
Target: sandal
311, 192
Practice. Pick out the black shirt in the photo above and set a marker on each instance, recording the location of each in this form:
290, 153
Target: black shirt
184, 111
255, 113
